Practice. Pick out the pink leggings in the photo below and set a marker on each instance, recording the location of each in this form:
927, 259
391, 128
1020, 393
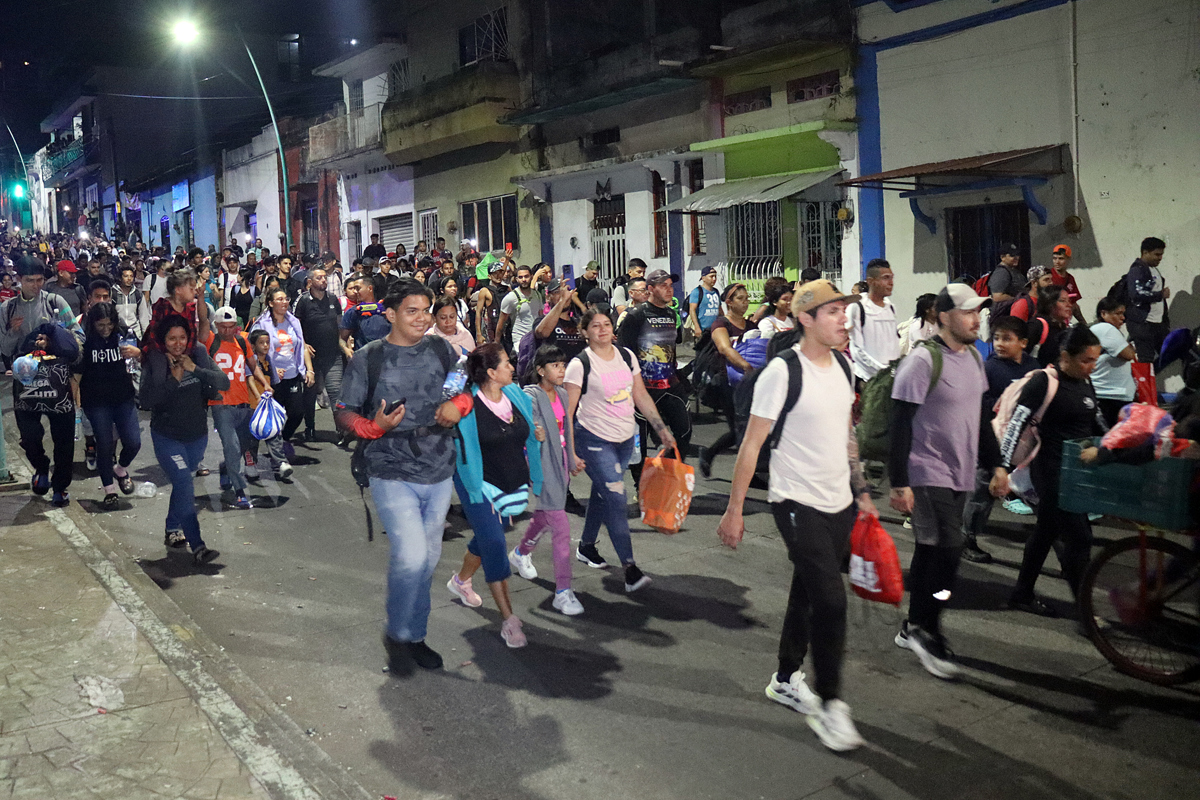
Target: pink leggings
560, 531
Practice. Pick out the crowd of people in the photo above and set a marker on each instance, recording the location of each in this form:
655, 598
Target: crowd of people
470, 375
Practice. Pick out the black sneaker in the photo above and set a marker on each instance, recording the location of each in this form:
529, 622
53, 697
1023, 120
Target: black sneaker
39, 484
974, 553
634, 578
423, 655
204, 555
932, 652
109, 503
1031, 606
175, 539
89, 457
573, 506
588, 554
399, 659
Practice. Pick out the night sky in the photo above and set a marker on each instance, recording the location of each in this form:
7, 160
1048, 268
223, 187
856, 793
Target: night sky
63, 41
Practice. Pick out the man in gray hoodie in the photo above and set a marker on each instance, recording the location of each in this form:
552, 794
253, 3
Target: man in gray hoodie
33, 306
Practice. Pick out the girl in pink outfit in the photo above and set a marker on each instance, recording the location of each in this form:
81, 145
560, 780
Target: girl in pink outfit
447, 325
550, 411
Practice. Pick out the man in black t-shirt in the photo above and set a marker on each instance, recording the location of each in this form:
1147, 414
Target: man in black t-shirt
589, 281
374, 250
652, 330
320, 313
559, 325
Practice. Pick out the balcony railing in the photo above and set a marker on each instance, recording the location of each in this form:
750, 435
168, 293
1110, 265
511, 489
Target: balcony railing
345, 135
63, 158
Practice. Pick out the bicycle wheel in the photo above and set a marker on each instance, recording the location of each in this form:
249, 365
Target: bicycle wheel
1141, 608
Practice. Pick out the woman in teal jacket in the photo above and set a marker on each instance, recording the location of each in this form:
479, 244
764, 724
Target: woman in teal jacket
497, 464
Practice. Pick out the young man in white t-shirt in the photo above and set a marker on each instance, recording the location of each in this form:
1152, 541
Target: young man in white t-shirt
816, 488
874, 340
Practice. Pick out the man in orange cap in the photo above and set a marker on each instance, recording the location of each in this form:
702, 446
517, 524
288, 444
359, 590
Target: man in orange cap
1060, 256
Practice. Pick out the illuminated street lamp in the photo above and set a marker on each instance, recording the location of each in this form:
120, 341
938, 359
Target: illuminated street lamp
186, 34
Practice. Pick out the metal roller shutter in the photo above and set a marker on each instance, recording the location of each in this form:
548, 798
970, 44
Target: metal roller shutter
396, 230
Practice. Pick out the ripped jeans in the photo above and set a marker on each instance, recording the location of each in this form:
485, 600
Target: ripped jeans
605, 463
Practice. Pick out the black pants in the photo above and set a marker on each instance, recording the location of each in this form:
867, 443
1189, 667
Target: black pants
817, 544
62, 434
672, 405
1147, 338
1052, 523
937, 521
729, 438
289, 393
1111, 409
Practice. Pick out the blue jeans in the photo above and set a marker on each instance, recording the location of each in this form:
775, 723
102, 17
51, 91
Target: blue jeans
605, 463
124, 418
488, 542
413, 515
233, 426
180, 460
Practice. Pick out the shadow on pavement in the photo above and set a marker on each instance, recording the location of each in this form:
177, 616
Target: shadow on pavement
166, 570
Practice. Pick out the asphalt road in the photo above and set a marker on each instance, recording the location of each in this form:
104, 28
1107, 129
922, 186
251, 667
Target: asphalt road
658, 694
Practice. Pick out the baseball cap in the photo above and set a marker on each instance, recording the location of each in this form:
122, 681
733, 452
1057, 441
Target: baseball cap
591, 266
704, 273
1062, 250
597, 296
1009, 249
814, 294
66, 266
1035, 272
554, 285
959, 296
657, 276
225, 314
497, 266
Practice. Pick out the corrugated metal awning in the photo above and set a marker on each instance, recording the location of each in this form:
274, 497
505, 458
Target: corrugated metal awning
749, 190
1040, 161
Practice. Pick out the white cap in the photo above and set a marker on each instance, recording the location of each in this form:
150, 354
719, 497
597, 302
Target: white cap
225, 314
959, 296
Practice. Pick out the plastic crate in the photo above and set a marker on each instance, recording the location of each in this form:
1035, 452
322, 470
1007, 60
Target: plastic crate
1156, 494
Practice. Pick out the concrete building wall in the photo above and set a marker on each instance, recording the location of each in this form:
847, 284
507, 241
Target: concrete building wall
1007, 84
204, 210
251, 186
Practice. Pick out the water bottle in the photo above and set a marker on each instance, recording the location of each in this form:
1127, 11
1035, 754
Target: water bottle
132, 365
147, 489
78, 423
636, 458
456, 380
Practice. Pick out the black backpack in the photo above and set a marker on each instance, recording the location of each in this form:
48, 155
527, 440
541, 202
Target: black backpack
1119, 291
374, 352
743, 396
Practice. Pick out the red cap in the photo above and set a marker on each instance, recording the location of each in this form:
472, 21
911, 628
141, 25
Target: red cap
391, 255
66, 266
1062, 249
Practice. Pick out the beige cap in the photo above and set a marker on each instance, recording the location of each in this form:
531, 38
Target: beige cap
810, 296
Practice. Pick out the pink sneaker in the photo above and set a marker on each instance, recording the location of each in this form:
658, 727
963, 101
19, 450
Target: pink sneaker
511, 633
463, 591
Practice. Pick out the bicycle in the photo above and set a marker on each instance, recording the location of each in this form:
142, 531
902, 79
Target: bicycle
1140, 597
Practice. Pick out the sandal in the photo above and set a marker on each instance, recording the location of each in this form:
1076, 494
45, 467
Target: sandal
203, 472
125, 484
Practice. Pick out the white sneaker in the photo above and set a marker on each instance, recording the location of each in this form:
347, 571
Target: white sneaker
522, 564
285, 470
566, 602
794, 694
835, 729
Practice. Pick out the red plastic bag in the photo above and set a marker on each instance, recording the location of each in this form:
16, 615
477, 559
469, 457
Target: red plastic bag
665, 493
1147, 384
874, 564
1136, 424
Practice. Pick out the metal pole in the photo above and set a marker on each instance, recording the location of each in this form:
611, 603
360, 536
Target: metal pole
21, 157
287, 206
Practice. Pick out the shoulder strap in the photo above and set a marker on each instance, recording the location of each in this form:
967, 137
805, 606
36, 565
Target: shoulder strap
215, 346
935, 355
1051, 390
447, 354
795, 385
845, 365
587, 368
374, 352
626, 357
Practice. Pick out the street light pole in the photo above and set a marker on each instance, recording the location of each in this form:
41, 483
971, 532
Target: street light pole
287, 207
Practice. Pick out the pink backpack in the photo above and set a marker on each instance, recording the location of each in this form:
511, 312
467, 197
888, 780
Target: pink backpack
1030, 441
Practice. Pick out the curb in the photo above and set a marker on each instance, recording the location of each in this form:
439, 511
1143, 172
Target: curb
274, 749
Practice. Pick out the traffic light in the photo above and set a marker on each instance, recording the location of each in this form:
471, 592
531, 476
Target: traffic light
18, 189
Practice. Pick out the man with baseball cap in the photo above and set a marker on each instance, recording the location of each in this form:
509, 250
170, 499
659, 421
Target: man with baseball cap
704, 303
231, 411
1007, 280
1060, 257
940, 432
66, 287
816, 488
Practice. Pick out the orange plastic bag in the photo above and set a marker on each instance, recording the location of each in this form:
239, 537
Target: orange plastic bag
874, 564
665, 493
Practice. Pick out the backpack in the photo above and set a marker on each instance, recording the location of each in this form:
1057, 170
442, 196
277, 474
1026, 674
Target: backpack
526, 349
708, 371
585, 360
981, 284
874, 431
1030, 440
743, 400
1119, 291
374, 352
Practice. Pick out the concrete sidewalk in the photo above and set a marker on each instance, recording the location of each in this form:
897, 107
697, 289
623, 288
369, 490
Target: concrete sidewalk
106, 688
